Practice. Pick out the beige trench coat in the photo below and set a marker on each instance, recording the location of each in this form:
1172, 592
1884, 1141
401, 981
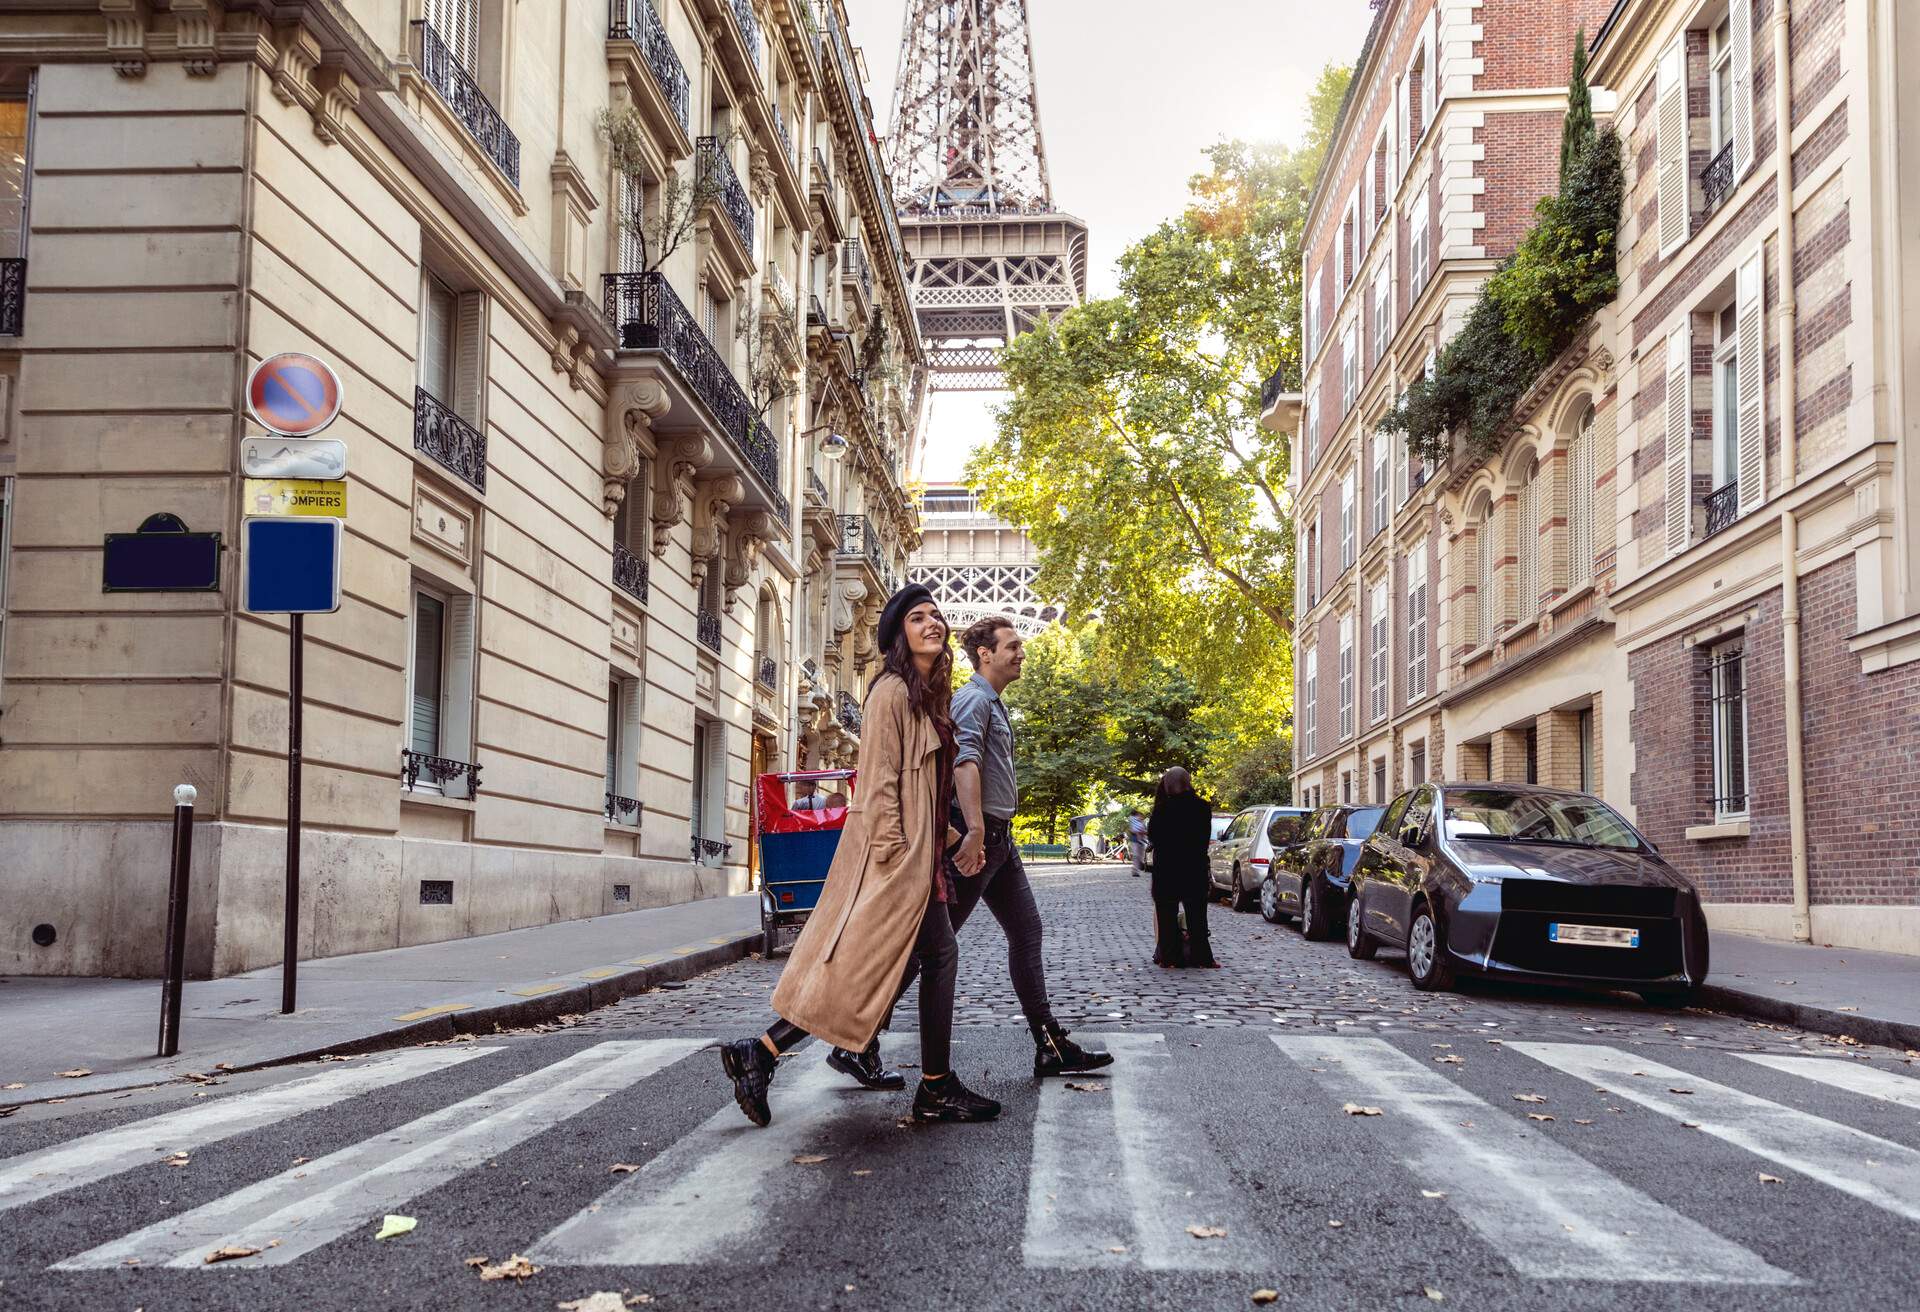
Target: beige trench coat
851, 954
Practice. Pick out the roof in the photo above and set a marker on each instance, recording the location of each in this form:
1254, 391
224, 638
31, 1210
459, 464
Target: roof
1346, 101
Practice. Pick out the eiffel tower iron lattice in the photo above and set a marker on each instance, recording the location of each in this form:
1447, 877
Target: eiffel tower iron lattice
991, 255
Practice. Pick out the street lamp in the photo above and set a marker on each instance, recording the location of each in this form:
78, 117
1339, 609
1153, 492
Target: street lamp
833, 446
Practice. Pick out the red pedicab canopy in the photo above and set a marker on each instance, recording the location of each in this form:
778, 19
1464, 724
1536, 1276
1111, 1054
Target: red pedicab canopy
786, 806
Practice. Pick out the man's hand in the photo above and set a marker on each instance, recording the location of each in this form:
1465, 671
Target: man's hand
971, 856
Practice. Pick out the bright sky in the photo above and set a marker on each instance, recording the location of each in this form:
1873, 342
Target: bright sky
1131, 93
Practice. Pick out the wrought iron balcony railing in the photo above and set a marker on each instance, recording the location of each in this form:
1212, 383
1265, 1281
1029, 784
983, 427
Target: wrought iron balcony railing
630, 572
647, 315
1270, 389
639, 22
710, 847
767, 672
468, 102
849, 713
440, 769
1417, 473
449, 439
854, 267
810, 668
749, 28
1716, 179
816, 313
624, 810
707, 629
13, 297
817, 486
786, 138
718, 177
859, 539
1723, 507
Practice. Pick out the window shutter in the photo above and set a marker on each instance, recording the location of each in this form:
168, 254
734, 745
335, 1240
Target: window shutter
456, 696
632, 212
1751, 375
1605, 498
469, 358
1740, 19
1580, 502
631, 693
429, 668
1529, 547
1670, 135
1679, 440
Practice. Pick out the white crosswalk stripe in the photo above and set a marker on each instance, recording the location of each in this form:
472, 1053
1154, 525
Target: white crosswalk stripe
704, 1199
1102, 1178
1549, 1212
36, 1175
1878, 1170
306, 1207
1845, 1073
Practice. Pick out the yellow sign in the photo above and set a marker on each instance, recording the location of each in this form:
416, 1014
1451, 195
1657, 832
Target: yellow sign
297, 496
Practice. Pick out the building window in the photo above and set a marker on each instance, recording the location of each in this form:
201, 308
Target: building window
1380, 442
623, 749
1348, 533
440, 687
1379, 781
15, 168
1588, 784
1382, 310
1581, 478
1728, 688
1377, 653
1346, 677
1417, 623
1313, 562
1349, 366
1313, 431
1313, 319
1527, 544
1531, 739
1417, 255
1726, 406
457, 23
1483, 577
1346, 787
697, 788
1417, 772
1309, 703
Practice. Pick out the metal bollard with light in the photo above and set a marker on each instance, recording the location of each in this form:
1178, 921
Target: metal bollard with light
176, 963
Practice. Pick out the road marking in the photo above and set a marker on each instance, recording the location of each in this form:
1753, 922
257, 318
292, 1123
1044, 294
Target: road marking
1102, 1175
646, 961
535, 990
316, 1203
1877, 1170
704, 1198
723, 940
1845, 1073
687, 951
91, 1157
1550, 1213
604, 972
440, 1010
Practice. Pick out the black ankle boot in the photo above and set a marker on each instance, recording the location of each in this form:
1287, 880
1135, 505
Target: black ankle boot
866, 1067
750, 1066
1056, 1054
949, 1100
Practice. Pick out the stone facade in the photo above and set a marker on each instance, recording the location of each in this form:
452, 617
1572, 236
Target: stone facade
597, 279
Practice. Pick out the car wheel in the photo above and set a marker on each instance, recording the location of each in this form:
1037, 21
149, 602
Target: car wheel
1667, 999
1361, 945
1427, 959
1240, 899
1313, 911
1270, 902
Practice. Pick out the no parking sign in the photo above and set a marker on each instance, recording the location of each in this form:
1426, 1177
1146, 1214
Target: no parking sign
293, 394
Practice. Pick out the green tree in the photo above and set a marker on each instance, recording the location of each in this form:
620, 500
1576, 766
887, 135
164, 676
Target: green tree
1156, 724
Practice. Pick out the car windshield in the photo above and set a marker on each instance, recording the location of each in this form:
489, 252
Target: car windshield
1363, 822
1491, 813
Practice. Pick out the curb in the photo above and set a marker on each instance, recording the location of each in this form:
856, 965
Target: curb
1820, 1020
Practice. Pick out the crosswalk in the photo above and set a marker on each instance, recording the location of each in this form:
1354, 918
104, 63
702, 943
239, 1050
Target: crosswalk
1114, 1177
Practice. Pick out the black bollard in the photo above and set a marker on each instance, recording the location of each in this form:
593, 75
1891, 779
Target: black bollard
171, 987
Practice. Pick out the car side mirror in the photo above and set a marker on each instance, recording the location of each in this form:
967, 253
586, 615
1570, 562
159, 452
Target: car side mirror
1410, 835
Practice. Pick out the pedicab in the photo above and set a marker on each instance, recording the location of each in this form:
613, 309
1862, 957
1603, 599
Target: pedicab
797, 816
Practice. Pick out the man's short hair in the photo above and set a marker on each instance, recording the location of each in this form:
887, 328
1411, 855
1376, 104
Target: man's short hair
983, 633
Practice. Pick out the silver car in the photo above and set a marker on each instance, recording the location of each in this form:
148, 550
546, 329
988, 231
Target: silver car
1239, 859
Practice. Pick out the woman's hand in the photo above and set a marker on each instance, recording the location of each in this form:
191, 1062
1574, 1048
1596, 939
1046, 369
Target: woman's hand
971, 856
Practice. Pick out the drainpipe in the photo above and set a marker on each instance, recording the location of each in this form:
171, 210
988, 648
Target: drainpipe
1789, 475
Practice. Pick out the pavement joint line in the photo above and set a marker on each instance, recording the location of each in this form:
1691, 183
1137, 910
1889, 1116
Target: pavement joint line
441, 1010
534, 991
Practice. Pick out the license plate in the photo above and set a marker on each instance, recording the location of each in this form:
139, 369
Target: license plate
1593, 936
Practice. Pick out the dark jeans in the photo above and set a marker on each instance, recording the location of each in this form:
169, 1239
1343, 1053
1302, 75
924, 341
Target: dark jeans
1003, 885
1169, 950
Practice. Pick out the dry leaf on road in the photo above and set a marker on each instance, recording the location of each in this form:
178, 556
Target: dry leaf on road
1528, 1097
1577, 1121
869, 1171
392, 1227
1090, 1086
1770, 1179
604, 1300
1336, 1225
1355, 1109
476, 1261
1538, 1116
76, 1073
1207, 1231
1433, 1293
514, 1268
15, 1085
1688, 1092
622, 1168
1451, 1060
1433, 1193
809, 1159
228, 1254
1266, 1296
178, 1159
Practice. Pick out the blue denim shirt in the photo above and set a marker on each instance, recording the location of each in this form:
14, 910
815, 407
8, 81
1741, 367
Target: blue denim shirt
985, 735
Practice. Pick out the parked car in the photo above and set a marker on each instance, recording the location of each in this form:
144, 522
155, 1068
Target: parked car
1309, 879
1521, 882
1237, 862
1221, 820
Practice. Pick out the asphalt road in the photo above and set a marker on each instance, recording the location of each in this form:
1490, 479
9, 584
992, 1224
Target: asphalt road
1537, 1150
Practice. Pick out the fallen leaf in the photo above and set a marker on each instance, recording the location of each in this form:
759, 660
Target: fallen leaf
1355, 1109
394, 1226
1770, 1179
197, 1078
1451, 1060
622, 1168
639, 1299
1433, 1193
514, 1268
228, 1254
1846, 1008
1091, 1086
1689, 1125
15, 1085
809, 1159
1335, 1225
1266, 1296
7, 1111
1538, 1116
299, 1161
223, 1065
130, 1261
476, 1261
866, 1172
1117, 1248
1433, 1293
178, 1159
604, 1300
1581, 1122
273, 1243
1207, 1231
76, 1073
1688, 1092
1528, 1097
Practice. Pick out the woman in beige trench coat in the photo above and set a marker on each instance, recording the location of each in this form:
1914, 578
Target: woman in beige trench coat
886, 894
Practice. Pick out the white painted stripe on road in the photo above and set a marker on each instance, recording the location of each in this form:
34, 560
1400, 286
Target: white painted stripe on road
318, 1202
1103, 1176
1878, 1170
1845, 1073
704, 1198
36, 1175
1550, 1213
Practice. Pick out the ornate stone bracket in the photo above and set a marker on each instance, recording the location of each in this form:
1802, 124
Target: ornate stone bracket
127, 35
675, 459
304, 74
848, 593
628, 438
197, 28
760, 172
749, 534
713, 499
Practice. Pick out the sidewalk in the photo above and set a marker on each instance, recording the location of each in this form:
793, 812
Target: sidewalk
1870, 996
110, 1027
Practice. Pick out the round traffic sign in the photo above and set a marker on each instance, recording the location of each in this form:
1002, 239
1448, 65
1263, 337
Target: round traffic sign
293, 394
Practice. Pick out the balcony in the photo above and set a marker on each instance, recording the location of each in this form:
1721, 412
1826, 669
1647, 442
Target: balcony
647, 315
1723, 507
707, 629
624, 810
856, 273
718, 179
817, 487
859, 541
13, 297
786, 139
468, 103
449, 439
749, 28
767, 672
849, 714
630, 573
637, 21
1716, 179
442, 770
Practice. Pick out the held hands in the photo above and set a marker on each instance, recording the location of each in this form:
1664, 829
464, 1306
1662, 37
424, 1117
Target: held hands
971, 856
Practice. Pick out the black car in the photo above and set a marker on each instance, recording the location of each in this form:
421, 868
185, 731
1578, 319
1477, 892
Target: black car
1521, 882
1309, 879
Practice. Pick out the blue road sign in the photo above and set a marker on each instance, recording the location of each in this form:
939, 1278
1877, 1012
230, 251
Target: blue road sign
290, 566
162, 557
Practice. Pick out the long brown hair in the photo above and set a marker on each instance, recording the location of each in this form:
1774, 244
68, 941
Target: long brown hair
929, 695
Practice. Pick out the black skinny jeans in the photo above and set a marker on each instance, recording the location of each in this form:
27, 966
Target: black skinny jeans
937, 959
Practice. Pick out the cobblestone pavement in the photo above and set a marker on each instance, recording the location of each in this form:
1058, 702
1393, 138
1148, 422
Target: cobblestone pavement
1099, 950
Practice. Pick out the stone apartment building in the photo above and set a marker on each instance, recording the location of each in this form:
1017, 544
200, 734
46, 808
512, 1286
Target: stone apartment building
1687, 582
619, 307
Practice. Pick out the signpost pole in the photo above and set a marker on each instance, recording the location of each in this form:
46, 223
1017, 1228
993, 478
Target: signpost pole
289, 970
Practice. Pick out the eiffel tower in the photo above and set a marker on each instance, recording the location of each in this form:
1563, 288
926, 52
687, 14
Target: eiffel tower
991, 255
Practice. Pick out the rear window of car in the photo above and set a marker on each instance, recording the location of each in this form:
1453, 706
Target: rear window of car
1571, 821
1362, 823
1284, 828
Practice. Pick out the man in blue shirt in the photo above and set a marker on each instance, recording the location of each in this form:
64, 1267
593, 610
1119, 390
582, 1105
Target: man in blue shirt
1137, 840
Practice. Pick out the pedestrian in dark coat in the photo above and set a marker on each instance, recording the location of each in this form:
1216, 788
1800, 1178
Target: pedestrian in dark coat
1180, 828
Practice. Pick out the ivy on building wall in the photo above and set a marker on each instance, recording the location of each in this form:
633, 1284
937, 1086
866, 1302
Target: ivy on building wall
1533, 306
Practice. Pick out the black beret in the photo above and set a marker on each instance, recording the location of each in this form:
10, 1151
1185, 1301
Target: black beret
894, 613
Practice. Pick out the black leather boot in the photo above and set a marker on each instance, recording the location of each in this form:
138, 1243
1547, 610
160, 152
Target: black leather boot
866, 1067
949, 1100
1056, 1054
750, 1066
